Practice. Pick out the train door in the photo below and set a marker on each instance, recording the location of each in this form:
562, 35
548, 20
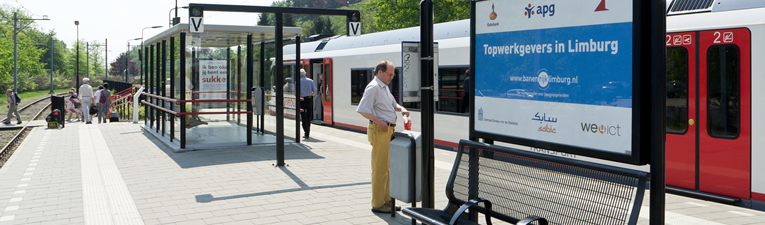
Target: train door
327, 91
708, 112
317, 76
681, 110
724, 112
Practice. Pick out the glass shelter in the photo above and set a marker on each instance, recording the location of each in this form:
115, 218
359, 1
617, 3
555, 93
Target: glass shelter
198, 85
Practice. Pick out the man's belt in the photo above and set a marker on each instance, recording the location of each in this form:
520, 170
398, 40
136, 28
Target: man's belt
389, 124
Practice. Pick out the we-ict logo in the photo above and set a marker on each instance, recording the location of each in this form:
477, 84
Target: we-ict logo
602, 129
544, 10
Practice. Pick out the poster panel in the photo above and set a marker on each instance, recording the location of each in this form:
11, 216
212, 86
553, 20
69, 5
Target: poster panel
558, 74
212, 78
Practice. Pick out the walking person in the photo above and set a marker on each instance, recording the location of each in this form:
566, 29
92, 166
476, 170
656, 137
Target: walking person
103, 102
379, 107
78, 105
307, 91
86, 99
12, 107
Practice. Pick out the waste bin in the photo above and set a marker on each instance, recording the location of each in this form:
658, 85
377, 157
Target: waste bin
58, 103
402, 164
257, 101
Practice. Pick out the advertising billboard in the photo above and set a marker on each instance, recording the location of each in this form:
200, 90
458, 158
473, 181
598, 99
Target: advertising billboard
558, 75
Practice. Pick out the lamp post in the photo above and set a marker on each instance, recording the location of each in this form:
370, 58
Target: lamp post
77, 64
141, 71
175, 20
16, 48
127, 55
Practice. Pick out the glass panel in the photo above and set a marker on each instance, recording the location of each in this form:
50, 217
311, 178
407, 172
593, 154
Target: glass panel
327, 79
724, 95
359, 81
677, 90
452, 96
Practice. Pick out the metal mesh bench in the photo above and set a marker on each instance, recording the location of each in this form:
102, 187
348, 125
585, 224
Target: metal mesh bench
522, 187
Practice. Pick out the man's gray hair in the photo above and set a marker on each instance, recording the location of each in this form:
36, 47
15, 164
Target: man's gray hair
85, 80
383, 66
302, 72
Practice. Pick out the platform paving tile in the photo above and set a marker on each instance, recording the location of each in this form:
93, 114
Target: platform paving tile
326, 182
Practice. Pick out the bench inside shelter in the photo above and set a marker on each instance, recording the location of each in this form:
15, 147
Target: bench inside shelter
522, 187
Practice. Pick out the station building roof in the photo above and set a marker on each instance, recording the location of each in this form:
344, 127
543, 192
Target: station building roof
223, 36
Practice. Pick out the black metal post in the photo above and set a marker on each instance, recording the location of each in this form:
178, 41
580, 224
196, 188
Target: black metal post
77, 64
228, 82
145, 80
656, 77
51, 65
262, 85
150, 77
426, 68
172, 86
298, 66
157, 85
248, 87
163, 84
238, 83
279, 91
182, 78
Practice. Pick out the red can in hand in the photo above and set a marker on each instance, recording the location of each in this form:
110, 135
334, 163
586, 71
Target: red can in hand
407, 123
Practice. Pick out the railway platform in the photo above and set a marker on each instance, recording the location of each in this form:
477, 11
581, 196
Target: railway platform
117, 173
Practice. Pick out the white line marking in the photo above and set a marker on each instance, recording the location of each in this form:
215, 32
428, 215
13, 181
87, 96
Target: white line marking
22, 185
20, 192
35, 160
28, 174
33, 164
696, 204
7, 218
26, 179
106, 199
16, 199
30, 169
741, 213
12, 208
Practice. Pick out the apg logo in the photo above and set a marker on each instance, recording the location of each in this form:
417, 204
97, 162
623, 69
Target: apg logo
602, 129
544, 10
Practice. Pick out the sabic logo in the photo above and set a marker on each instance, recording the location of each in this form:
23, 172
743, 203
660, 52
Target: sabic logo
544, 10
492, 15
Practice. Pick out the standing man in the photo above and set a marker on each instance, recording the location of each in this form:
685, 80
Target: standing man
379, 107
307, 90
86, 99
12, 107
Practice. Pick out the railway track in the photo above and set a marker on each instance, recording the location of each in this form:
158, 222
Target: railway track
13, 137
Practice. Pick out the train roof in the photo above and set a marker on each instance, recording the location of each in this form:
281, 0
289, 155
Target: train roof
679, 7
454, 29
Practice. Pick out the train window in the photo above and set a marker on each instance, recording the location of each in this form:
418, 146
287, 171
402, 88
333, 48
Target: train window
452, 95
359, 80
724, 96
677, 90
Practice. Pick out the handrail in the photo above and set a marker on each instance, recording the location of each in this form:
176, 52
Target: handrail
190, 113
193, 101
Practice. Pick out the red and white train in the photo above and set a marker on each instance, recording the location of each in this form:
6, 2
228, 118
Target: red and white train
715, 62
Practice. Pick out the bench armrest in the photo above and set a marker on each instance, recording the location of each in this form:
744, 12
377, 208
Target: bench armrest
471, 203
529, 219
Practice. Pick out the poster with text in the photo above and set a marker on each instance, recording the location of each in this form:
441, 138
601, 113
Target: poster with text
556, 71
212, 79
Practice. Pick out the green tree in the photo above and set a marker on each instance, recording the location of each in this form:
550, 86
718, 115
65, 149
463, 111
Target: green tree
397, 14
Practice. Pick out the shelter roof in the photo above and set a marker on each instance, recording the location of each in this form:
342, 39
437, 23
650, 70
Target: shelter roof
216, 35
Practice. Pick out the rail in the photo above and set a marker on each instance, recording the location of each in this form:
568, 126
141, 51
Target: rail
23, 129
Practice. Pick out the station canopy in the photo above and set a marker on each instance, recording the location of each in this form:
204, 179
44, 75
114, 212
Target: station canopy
225, 35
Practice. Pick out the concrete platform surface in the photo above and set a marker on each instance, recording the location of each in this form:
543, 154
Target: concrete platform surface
118, 173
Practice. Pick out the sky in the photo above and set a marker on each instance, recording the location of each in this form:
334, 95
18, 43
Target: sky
121, 20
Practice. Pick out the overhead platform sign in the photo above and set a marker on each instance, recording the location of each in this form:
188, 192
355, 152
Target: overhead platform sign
196, 20
558, 75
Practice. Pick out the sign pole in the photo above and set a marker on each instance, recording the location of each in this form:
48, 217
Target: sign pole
426, 62
655, 31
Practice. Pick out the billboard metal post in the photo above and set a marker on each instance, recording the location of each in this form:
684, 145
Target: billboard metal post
250, 64
182, 85
426, 69
262, 83
279, 91
655, 31
298, 65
